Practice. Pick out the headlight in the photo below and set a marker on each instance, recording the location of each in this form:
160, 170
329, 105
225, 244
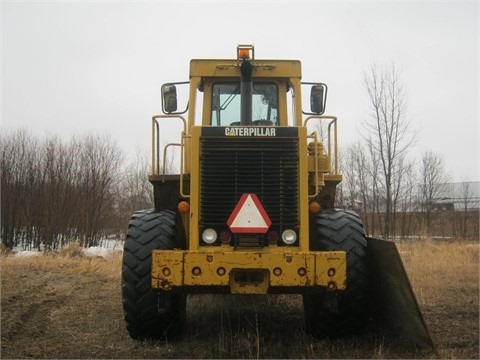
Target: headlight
289, 237
209, 236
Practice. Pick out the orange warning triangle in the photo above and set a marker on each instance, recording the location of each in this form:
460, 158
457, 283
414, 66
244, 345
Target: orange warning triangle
249, 216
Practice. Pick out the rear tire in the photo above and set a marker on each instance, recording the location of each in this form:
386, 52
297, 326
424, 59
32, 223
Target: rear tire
342, 313
150, 313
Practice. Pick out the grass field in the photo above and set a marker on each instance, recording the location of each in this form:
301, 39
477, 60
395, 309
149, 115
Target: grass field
68, 306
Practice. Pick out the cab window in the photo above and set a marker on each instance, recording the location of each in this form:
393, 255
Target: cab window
226, 104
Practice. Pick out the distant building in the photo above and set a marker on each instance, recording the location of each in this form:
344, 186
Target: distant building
460, 196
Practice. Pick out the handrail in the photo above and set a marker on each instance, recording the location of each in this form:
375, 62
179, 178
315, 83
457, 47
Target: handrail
315, 161
156, 142
184, 137
334, 122
330, 152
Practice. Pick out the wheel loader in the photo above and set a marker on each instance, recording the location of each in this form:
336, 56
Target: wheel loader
251, 209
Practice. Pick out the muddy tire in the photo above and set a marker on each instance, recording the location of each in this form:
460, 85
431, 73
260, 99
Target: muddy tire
342, 313
150, 313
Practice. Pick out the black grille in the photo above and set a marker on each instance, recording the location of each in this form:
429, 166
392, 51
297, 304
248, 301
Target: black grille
232, 166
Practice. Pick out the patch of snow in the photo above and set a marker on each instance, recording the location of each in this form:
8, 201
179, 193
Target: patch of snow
111, 244
96, 251
27, 253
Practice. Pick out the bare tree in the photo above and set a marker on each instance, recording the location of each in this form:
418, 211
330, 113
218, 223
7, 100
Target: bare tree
433, 181
405, 198
19, 159
358, 170
388, 133
100, 161
136, 192
468, 217
350, 187
54, 191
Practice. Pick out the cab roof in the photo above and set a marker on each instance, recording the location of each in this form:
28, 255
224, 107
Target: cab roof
230, 68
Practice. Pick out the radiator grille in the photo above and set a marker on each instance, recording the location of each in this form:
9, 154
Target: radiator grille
232, 166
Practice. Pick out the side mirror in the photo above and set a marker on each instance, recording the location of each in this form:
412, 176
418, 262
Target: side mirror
317, 99
169, 98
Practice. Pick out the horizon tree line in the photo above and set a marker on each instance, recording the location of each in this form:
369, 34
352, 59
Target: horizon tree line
56, 191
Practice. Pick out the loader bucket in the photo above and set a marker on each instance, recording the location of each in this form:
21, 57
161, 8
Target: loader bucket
395, 307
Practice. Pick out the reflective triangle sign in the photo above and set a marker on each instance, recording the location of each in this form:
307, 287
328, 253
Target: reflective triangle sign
249, 216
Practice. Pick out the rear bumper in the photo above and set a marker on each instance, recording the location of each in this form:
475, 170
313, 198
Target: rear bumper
248, 272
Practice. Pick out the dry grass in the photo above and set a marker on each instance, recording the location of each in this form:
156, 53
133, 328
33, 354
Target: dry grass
78, 300
434, 266
445, 278
69, 260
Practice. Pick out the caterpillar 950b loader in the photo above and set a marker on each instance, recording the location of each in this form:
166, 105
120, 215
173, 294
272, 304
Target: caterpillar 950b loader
252, 210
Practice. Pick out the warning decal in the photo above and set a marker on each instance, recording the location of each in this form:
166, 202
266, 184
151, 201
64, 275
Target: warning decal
249, 216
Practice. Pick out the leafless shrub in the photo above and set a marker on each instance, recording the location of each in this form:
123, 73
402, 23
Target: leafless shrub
54, 191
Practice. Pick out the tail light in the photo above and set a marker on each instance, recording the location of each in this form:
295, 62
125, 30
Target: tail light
225, 237
273, 237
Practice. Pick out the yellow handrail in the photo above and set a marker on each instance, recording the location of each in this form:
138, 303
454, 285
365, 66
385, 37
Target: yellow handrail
156, 142
331, 151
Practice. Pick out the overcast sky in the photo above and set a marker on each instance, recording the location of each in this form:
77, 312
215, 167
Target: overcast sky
77, 67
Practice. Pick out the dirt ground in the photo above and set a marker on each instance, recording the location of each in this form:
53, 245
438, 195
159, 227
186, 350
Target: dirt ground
72, 309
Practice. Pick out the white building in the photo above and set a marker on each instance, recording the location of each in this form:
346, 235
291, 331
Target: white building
460, 196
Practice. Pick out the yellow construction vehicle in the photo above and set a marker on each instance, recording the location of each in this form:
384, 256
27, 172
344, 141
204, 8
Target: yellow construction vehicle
252, 209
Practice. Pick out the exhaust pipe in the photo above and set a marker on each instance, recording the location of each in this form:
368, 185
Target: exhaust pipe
246, 90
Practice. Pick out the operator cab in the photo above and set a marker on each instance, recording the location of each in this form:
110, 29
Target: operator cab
226, 104
244, 92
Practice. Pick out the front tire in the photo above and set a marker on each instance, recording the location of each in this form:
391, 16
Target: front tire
150, 313
341, 313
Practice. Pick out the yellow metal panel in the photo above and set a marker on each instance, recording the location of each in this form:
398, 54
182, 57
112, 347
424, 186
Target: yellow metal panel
288, 263
192, 102
303, 190
208, 264
217, 267
229, 68
295, 83
194, 188
323, 164
167, 268
292, 269
331, 269
333, 178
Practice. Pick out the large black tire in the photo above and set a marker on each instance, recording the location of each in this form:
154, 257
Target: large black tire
150, 313
343, 313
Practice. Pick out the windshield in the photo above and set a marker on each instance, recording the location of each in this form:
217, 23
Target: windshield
226, 104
